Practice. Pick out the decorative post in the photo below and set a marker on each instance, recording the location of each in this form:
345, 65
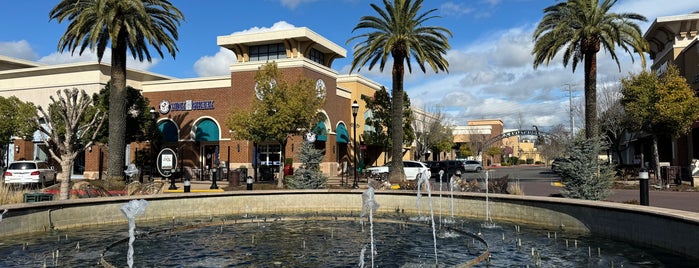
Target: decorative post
355, 110
643, 186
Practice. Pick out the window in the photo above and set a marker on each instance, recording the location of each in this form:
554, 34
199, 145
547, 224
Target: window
368, 115
270, 154
267, 52
317, 56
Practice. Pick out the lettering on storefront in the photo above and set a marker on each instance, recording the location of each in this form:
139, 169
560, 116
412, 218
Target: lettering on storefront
190, 105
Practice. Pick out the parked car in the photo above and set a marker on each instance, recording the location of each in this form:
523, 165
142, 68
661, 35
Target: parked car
30, 172
473, 166
411, 169
434, 166
450, 167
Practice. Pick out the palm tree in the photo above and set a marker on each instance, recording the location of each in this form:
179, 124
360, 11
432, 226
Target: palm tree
123, 24
399, 32
581, 28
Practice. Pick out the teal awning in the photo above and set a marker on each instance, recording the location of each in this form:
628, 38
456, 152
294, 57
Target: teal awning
341, 134
168, 131
206, 130
320, 131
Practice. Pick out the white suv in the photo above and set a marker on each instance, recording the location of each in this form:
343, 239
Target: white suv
411, 169
30, 172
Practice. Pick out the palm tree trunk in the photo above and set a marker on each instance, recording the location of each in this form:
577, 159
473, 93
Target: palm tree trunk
396, 174
590, 94
117, 111
656, 160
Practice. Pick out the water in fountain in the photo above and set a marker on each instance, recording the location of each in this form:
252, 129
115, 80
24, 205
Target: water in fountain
330, 241
369, 206
488, 220
131, 210
423, 178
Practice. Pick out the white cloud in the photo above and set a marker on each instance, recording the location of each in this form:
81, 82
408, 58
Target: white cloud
495, 78
218, 64
18, 49
454, 9
280, 25
652, 9
292, 4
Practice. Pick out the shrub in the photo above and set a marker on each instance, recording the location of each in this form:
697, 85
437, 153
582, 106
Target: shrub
308, 176
584, 176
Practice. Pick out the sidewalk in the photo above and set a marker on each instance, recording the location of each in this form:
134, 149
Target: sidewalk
687, 201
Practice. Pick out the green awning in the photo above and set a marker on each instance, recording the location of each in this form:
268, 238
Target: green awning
320, 131
206, 130
168, 131
341, 134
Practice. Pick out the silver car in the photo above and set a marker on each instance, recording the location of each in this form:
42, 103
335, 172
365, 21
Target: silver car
472, 166
411, 169
30, 172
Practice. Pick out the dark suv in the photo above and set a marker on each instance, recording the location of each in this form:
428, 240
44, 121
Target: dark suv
450, 167
435, 167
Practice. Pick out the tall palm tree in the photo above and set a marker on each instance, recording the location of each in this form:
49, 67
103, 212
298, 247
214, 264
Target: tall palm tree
400, 32
581, 28
125, 25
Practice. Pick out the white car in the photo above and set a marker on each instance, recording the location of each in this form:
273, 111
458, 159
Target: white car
411, 169
30, 172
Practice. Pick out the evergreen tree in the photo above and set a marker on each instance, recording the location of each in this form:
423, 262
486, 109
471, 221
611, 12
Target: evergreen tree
309, 175
583, 176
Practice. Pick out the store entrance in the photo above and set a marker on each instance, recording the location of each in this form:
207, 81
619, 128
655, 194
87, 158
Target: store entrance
210, 160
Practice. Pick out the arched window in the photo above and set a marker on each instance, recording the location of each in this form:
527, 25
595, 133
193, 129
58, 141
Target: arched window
206, 130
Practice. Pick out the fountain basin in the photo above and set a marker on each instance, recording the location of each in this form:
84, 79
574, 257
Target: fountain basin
660, 228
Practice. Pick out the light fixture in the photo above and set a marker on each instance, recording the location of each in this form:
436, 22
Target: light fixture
17, 149
355, 110
153, 113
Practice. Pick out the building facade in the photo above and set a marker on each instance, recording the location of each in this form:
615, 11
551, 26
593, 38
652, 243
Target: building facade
674, 40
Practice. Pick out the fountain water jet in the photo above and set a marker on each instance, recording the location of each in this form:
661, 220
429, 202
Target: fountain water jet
424, 179
369, 205
131, 210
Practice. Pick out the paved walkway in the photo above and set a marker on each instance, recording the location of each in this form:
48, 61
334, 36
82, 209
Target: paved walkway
688, 201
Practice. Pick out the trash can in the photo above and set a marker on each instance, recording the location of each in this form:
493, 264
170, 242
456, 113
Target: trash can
234, 178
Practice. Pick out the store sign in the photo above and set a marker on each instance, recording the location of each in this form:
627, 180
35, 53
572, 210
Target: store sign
187, 105
167, 162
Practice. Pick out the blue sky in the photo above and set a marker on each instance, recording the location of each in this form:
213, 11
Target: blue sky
490, 74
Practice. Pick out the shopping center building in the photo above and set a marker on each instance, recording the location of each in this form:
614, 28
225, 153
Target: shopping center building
192, 113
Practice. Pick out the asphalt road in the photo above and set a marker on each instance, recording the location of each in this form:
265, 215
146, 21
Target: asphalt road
539, 181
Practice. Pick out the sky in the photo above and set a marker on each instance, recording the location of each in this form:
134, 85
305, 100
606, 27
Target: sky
490, 75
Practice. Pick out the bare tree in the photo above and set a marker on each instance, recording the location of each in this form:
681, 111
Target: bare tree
612, 121
69, 121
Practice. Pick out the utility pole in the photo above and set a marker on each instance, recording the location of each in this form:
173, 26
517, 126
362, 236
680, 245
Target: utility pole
570, 101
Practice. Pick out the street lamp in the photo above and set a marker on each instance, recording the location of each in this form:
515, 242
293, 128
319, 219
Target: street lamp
355, 110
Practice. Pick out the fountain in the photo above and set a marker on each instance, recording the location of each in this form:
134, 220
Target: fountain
131, 210
323, 228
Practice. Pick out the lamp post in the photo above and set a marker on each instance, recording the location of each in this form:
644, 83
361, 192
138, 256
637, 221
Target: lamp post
355, 110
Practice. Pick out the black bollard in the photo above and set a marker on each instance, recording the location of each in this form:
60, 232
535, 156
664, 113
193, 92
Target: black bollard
187, 186
249, 181
213, 179
643, 186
